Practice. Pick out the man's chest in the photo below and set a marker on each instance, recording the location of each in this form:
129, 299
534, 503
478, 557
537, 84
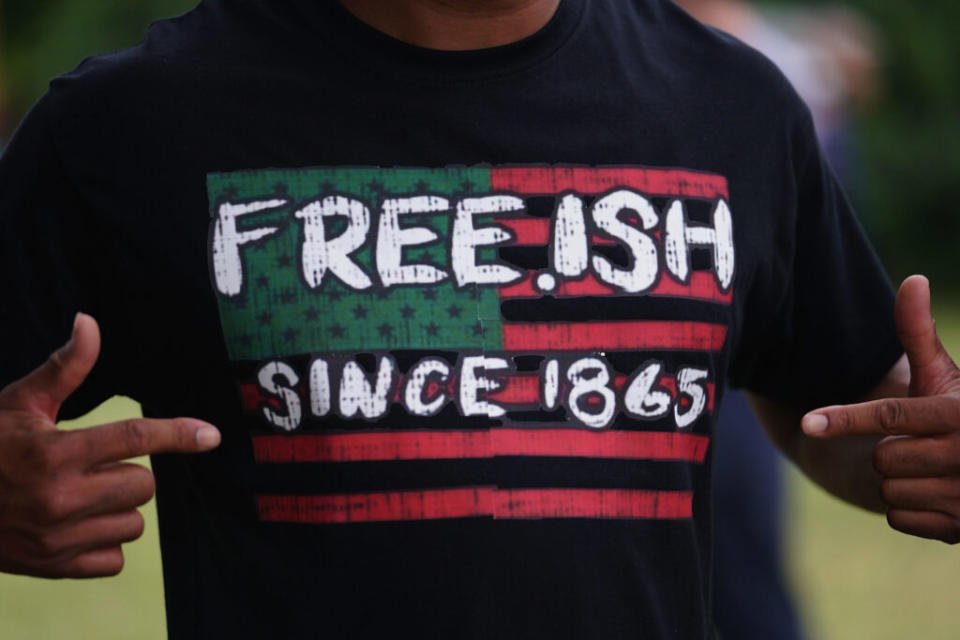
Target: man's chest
553, 336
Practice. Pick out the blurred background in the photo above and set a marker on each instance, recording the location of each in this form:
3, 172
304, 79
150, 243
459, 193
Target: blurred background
883, 80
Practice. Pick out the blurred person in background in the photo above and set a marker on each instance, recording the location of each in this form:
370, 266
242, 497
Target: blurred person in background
828, 54
846, 53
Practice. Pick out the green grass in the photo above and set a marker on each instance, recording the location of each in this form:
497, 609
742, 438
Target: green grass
855, 578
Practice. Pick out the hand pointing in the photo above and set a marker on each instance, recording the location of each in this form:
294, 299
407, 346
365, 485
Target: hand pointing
67, 502
919, 459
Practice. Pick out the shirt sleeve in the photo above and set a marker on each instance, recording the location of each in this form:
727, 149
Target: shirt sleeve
48, 268
817, 324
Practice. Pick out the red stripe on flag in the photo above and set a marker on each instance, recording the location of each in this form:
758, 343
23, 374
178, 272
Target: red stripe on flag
354, 447
435, 445
536, 232
629, 445
589, 286
614, 336
589, 180
702, 286
592, 503
251, 396
520, 389
527, 231
374, 507
481, 501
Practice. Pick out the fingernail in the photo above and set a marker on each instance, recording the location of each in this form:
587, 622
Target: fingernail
207, 437
65, 348
73, 329
814, 423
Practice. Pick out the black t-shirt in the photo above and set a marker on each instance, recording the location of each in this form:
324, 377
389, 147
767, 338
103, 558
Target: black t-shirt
463, 318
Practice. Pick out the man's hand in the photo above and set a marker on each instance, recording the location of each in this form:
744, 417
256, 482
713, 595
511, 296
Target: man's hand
67, 502
919, 459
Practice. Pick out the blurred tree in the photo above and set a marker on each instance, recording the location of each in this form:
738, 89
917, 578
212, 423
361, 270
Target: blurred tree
909, 139
44, 38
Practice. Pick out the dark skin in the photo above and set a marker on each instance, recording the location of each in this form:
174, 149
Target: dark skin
68, 501
454, 25
729, 15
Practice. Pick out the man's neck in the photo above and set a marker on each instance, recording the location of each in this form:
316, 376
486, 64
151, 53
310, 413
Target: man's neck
454, 25
732, 16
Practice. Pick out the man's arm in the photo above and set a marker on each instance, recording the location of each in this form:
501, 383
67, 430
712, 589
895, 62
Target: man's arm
898, 450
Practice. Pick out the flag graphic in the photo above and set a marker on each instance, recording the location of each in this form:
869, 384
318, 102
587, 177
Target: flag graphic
500, 292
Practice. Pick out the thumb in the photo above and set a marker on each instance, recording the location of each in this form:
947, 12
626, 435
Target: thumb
45, 388
930, 365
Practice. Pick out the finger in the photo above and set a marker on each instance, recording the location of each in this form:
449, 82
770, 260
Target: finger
930, 365
108, 531
911, 457
93, 564
890, 416
925, 524
90, 534
922, 494
120, 487
44, 389
138, 437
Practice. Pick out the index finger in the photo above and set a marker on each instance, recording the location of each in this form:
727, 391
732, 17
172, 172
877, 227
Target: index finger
923, 416
138, 437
